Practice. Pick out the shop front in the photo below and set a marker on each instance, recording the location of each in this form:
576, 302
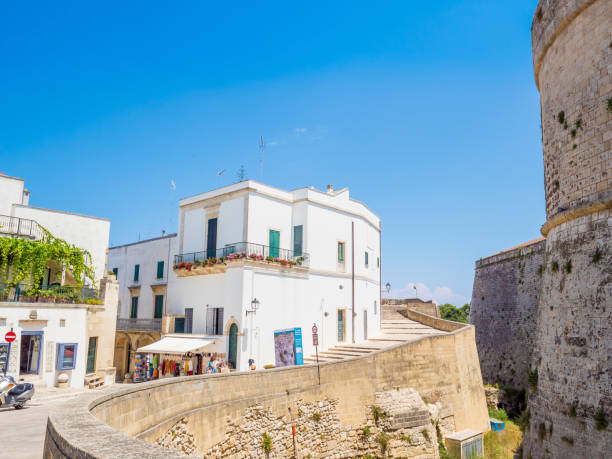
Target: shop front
178, 355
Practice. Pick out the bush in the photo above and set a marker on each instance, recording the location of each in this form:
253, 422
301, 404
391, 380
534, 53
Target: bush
266, 442
498, 414
601, 423
532, 379
365, 433
377, 413
316, 416
383, 441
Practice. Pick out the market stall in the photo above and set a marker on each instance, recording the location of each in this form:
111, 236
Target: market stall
174, 355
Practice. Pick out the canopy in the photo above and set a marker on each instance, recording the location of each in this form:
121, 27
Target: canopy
176, 345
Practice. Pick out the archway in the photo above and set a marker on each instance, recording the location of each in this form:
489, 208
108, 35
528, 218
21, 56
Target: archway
233, 345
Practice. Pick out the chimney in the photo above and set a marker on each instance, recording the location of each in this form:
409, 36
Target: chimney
330, 188
25, 200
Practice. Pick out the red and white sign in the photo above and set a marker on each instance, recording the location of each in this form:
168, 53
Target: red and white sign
315, 330
10, 337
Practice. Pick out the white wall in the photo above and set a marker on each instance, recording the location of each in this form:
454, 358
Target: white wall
194, 228
89, 233
146, 254
48, 321
11, 192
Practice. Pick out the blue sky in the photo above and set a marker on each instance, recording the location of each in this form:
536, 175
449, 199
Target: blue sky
427, 110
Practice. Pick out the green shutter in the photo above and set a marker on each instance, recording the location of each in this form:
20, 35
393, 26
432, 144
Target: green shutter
297, 240
136, 272
274, 243
366, 258
116, 271
340, 251
159, 306
134, 311
160, 269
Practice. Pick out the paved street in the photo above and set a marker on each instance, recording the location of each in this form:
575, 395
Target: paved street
22, 432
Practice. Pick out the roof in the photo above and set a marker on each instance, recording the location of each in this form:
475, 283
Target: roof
464, 434
177, 344
166, 236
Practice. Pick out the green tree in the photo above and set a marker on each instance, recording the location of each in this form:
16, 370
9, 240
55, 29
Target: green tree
450, 312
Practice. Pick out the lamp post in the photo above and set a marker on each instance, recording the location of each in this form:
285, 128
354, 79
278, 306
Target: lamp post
254, 307
388, 286
416, 292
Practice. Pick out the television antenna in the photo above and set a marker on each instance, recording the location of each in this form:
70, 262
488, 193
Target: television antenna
261, 155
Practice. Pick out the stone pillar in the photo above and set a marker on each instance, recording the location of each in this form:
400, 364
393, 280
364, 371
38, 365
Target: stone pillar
570, 398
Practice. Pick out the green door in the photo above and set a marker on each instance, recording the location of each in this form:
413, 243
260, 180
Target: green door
274, 243
233, 344
159, 306
91, 354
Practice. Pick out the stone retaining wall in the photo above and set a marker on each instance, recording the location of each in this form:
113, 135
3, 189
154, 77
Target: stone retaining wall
442, 368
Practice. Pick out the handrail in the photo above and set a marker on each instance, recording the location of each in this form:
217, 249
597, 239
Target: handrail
17, 226
139, 324
249, 249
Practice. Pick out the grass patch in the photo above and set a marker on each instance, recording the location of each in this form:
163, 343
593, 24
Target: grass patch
266, 443
316, 416
378, 413
503, 444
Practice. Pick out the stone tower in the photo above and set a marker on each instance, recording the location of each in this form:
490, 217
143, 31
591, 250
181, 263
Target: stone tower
570, 399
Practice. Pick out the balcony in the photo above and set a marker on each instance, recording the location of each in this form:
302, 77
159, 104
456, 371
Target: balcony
151, 325
60, 294
246, 253
20, 227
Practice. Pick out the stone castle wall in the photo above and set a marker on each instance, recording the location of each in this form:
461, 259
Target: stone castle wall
443, 369
504, 304
570, 399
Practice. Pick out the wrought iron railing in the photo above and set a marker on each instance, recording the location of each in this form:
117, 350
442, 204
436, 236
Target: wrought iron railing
49, 294
247, 250
139, 325
21, 227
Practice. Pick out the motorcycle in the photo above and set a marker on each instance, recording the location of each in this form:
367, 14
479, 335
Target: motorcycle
13, 394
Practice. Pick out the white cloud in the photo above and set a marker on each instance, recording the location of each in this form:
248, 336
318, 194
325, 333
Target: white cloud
300, 130
272, 143
440, 295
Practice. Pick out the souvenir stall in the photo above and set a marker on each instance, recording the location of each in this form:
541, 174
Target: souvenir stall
174, 355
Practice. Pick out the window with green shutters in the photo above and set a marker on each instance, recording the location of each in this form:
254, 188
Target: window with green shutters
134, 310
159, 306
297, 240
136, 272
274, 243
340, 252
115, 271
366, 259
160, 269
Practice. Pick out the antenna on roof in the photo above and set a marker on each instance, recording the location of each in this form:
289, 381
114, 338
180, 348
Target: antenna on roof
261, 153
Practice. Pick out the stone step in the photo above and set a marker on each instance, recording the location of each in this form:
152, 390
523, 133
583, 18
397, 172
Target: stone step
367, 349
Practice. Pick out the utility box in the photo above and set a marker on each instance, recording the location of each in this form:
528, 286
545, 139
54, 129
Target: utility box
496, 424
465, 444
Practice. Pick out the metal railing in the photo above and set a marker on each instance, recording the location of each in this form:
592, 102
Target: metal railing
49, 294
247, 250
139, 325
22, 227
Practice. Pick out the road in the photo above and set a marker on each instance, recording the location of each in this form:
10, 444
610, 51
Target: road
22, 432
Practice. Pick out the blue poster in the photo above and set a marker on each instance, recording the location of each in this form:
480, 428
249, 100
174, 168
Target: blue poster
299, 350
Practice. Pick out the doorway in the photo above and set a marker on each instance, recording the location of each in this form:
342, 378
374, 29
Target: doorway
91, 354
31, 350
233, 345
211, 239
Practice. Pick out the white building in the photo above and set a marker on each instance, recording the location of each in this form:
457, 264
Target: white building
298, 265
85, 232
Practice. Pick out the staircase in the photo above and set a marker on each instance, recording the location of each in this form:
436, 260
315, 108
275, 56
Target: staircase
94, 381
343, 351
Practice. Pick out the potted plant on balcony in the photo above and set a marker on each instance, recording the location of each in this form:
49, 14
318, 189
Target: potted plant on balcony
46, 296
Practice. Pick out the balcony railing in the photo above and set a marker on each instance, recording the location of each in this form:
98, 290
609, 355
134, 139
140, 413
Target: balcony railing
139, 325
248, 250
20, 227
51, 294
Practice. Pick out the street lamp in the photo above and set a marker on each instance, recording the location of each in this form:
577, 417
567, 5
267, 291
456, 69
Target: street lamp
416, 292
254, 307
388, 287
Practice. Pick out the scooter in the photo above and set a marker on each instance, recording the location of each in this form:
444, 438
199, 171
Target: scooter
13, 394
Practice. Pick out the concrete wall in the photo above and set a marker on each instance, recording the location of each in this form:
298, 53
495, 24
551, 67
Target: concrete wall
573, 70
445, 366
504, 309
401, 305
11, 192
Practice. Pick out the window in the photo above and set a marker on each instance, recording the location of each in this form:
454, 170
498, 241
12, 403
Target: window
340, 325
136, 272
62, 323
214, 321
66, 356
378, 262
274, 243
366, 259
188, 320
160, 269
297, 240
211, 239
179, 325
116, 271
340, 252
375, 307
134, 310
159, 306
365, 324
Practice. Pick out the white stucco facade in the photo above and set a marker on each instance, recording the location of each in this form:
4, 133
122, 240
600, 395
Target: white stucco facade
147, 255
53, 325
85, 232
289, 297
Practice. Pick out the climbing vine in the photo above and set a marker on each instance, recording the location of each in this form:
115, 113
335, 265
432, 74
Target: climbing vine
23, 261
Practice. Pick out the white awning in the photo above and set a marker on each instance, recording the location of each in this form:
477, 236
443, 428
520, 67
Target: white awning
177, 345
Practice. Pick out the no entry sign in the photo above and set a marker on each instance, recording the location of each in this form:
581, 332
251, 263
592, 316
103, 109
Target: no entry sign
10, 336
